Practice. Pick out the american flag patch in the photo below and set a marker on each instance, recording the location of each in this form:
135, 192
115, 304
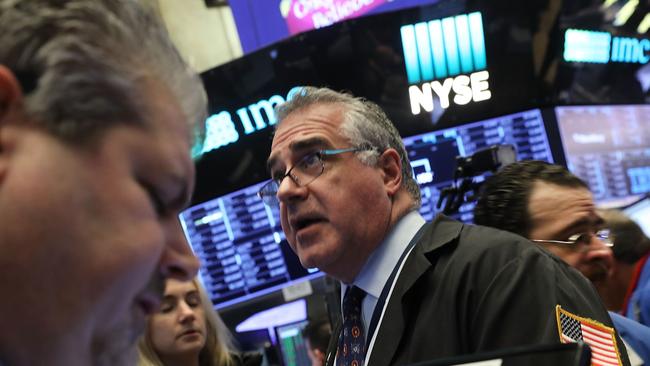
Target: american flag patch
599, 337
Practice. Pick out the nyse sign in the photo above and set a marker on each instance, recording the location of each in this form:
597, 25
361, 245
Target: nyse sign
451, 52
224, 127
472, 88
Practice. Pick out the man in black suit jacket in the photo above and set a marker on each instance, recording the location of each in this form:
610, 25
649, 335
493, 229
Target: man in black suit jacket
348, 206
554, 208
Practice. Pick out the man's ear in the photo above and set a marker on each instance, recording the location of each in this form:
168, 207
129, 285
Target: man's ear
391, 167
11, 95
11, 99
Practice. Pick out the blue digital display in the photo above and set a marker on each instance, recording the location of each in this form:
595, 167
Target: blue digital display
586, 46
221, 128
433, 154
443, 47
241, 246
602, 47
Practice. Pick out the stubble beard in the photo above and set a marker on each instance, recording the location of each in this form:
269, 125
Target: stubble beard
117, 346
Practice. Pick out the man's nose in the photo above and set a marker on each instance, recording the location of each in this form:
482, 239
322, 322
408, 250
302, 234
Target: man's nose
600, 250
289, 190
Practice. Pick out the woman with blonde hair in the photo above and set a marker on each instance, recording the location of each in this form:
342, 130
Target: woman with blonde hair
187, 331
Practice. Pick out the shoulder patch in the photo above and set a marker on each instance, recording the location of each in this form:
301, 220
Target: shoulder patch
600, 338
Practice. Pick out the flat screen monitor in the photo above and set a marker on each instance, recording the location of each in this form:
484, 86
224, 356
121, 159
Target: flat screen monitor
242, 248
433, 154
292, 344
639, 212
608, 146
260, 23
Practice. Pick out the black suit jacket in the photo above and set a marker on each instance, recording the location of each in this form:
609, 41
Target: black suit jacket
466, 289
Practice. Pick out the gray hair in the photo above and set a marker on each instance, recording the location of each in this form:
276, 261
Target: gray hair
630, 242
83, 64
364, 124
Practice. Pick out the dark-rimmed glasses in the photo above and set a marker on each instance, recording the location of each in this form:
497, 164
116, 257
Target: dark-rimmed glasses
583, 238
302, 173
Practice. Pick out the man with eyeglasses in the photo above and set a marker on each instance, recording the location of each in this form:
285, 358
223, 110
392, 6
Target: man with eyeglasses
411, 291
555, 209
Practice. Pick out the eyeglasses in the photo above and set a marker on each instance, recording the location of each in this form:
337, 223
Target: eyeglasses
302, 173
584, 238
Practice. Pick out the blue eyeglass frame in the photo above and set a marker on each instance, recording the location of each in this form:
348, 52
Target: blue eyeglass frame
270, 198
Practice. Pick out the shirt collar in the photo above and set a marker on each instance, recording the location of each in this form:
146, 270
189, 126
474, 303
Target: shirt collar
382, 261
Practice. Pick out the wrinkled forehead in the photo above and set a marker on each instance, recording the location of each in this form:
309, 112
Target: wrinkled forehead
562, 207
318, 125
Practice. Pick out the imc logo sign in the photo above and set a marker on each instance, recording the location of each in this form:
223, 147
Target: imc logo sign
224, 127
602, 48
451, 52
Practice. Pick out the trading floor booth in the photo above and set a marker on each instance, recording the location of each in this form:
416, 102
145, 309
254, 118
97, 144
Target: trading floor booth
546, 79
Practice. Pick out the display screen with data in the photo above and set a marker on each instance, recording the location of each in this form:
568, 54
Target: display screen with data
292, 344
433, 155
241, 246
608, 147
240, 242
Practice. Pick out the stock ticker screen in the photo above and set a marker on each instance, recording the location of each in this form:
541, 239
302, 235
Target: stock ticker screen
608, 146
240, 242
292, 344
433, 154
241, 246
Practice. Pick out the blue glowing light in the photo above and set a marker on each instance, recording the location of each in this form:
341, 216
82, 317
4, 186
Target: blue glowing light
586, 46
443, 47
601, 47
221, 129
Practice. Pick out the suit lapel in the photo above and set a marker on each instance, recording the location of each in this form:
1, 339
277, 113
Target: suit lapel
392, 325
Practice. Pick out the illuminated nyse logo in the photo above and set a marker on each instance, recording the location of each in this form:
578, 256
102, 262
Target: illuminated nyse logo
602, 48
221, 128
448, 49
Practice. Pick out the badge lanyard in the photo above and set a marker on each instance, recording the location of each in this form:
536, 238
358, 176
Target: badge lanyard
376, 313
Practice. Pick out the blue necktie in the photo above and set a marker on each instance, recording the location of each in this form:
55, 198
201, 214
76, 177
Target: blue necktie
352, 345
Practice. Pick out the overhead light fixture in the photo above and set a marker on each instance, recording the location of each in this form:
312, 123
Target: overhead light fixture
644, 25
609, 3
626, 12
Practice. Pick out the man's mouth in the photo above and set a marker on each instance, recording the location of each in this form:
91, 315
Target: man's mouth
304, 223
596, 272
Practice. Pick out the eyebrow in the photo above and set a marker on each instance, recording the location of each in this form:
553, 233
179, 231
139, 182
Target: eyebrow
298, 146
188, 293
585, 221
